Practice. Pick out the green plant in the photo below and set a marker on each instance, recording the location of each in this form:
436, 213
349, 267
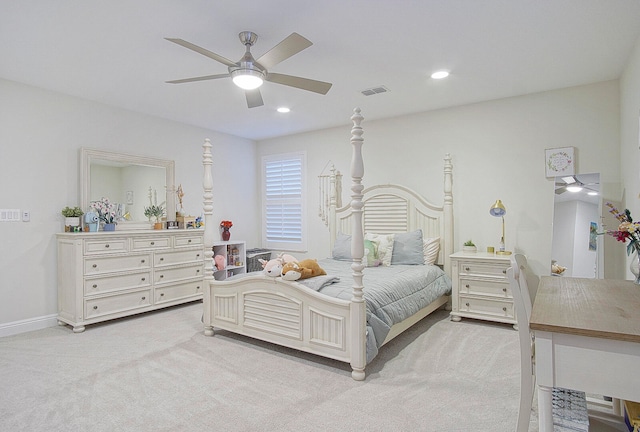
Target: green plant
469, 243
156, 211
72, 212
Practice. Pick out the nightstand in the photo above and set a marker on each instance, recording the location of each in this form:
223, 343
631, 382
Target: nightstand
480, 287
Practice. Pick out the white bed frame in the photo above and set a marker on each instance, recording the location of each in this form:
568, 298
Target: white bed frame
292, 315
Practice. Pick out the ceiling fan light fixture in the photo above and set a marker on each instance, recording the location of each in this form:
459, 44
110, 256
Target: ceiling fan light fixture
574, 189
440, 74
247, 79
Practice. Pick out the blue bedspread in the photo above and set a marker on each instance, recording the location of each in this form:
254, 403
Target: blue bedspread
392, 293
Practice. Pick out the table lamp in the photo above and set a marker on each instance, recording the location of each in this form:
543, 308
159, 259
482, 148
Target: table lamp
498, 210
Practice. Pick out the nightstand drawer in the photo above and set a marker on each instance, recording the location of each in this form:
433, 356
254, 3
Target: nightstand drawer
485, 270
169, 258
486, 307
180, 291
182, 241
483, 287
112, 245
178, 273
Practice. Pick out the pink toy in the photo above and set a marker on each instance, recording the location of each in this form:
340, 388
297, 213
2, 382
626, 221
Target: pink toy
220, 262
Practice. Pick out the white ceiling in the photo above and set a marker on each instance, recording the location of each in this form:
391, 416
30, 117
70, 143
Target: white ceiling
114, 52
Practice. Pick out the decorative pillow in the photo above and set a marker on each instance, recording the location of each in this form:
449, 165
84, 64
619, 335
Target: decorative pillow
342, 248
408, 248
385, 246
431, 250
371, 254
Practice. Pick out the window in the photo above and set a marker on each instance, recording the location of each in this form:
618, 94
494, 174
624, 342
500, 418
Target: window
283, 205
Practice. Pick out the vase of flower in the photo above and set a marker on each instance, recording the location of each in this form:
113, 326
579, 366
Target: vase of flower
628, 230
109, 227
225, 225
107, 213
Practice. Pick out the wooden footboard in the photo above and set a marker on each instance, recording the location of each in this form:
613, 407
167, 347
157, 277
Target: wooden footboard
281, 312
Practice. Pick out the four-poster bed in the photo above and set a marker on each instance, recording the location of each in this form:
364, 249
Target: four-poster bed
327, 320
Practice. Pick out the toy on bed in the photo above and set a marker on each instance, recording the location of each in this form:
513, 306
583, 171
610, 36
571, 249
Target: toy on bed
220, 262
273, 267
304, 269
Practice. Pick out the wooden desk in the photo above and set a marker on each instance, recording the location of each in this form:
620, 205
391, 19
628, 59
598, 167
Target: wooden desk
587, 338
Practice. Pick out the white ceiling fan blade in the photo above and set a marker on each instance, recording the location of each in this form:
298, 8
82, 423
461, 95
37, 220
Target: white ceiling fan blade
203, 51
254, 98
202, 78
289, 46
301, 83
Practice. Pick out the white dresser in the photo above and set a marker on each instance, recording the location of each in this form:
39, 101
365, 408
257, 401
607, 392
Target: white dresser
480, 287
107, 275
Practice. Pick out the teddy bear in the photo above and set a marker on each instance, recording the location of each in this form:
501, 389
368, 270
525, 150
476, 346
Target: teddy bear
304, 269
273, 267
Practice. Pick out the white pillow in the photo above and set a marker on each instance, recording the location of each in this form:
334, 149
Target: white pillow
385, 246
431, 249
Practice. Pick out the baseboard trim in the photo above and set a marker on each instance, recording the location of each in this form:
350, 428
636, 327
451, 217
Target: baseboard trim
31, 324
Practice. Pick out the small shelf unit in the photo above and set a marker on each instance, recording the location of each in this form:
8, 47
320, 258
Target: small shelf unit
234, 253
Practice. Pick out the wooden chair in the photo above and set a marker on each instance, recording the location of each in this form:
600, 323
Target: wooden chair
569, 406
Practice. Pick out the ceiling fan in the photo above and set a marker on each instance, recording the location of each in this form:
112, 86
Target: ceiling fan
572, 184
249, 73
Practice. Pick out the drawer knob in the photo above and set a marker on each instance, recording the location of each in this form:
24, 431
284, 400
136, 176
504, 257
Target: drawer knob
198, 271
197, 255
95, 265
198, 287
504, 271
504, 309
144, 298
161, 294
161, 259
467, 304
504, 290
95, 285
142, 261
189, 241
144, 279
107, 245
95, 307
161, 276
152, 243
467, 268
467, 286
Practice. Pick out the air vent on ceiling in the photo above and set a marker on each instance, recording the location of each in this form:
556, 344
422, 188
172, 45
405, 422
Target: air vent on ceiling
374, 90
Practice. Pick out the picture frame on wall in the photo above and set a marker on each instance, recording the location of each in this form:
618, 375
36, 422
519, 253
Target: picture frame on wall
560, 161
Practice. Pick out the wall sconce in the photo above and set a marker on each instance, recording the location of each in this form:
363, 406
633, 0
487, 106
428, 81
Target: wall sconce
498, 210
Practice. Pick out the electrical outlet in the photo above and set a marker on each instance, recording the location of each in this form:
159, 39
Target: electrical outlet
26, 216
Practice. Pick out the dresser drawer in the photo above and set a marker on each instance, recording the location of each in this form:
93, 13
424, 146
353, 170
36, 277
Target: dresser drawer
480, 269
107, 284
119, 263
503, 309
117, 303
178, 292
105, 246
184, 241
145, 243
484, 287
181, 257
175, 274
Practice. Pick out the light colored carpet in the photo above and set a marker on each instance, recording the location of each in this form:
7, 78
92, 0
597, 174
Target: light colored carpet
158, 372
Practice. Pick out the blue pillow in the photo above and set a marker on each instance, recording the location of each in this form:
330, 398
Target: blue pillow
408, 248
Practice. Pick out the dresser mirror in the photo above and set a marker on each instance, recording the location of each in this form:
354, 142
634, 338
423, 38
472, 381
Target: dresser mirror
133, 182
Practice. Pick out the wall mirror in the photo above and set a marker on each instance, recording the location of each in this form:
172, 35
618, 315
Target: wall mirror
579, 214
134, 182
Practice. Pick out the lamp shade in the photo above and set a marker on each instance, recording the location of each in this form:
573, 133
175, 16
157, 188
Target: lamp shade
247, 79
498, 209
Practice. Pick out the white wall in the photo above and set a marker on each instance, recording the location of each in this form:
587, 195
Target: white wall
41, 133
629, 135
498, 152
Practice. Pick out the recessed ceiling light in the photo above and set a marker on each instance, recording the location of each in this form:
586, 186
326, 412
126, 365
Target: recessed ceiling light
283, 110
440, 74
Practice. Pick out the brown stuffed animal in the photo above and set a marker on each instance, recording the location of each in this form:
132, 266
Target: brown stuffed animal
302, 270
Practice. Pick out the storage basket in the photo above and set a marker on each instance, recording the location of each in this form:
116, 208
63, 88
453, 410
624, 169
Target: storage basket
253, 255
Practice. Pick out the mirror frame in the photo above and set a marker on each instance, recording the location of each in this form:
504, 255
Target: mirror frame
89, 155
